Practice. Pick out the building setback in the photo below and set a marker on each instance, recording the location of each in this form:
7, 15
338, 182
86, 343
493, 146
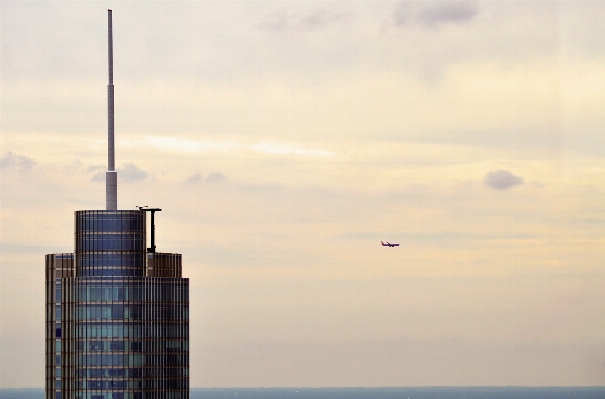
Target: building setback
117, 313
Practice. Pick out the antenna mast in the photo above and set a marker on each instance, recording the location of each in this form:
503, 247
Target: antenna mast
111, 176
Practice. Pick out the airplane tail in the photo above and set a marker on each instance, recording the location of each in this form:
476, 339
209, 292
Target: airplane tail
382, 243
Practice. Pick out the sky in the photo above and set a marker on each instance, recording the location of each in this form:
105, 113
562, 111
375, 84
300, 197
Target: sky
283, 141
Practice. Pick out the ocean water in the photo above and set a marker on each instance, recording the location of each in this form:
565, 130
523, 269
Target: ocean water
370, 393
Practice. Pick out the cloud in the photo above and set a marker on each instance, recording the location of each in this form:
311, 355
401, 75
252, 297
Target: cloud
18, 162
213, 177
76, 165
316, 20
226, 147
435, 13
270, 147
321, 19
94, 168
100, 173
99, 176
502, 179
196, 177
131, 173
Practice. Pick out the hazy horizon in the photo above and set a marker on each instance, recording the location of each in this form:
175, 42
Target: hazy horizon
283, 141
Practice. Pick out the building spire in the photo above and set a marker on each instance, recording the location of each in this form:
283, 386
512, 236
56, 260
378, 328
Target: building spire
111, 176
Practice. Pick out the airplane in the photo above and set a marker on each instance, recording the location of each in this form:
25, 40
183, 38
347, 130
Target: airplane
388, 244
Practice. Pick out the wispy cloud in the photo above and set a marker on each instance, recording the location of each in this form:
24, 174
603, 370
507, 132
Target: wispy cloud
502, 179
99, 176
18, 162
213, 177
129, 173
99, 172
434, 14
320, 19
228, 147
196, 177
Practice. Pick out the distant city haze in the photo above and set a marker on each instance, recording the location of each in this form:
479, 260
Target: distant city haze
284, 141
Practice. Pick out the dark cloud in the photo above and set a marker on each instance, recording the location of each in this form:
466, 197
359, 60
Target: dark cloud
435, 13
18, 162
502, 179
131, 173
320, 19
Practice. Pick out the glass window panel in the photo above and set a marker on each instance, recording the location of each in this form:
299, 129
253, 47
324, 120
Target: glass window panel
96, 373
95, 345
117, 345
117, 312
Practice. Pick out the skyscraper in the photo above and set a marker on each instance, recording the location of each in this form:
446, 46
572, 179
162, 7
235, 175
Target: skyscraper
117, 313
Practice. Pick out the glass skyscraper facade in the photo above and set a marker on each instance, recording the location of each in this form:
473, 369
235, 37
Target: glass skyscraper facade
117, 316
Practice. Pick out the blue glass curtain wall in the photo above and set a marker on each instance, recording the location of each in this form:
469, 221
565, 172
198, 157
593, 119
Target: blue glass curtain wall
110, 243
137, 342
117, 318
